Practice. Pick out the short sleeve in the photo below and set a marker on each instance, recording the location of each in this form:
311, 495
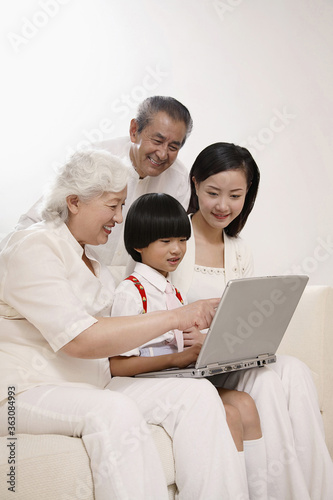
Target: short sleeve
37, 284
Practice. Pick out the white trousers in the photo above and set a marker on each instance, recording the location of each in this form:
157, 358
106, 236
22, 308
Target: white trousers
124, 460
299, 464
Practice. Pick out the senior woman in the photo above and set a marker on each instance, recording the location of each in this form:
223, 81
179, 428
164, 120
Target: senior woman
56, 335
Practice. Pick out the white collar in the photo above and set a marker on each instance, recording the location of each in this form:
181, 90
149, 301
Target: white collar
154, 277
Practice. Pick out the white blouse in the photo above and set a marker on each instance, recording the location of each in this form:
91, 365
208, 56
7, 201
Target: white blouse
48, 296
207, 283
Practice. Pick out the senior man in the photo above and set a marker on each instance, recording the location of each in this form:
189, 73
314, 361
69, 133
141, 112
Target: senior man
156, 135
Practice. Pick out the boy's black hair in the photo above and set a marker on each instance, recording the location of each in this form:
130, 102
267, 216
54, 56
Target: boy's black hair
151, 217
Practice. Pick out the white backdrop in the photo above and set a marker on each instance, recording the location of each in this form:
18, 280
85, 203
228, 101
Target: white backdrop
257, 73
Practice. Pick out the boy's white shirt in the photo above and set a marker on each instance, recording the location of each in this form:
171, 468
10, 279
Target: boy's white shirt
128, 301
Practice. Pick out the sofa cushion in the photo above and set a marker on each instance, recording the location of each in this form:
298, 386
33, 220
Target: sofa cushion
55, 467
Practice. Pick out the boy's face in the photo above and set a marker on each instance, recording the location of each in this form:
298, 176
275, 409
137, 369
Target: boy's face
164, 255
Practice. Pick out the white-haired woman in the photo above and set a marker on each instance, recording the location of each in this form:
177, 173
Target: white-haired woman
56, 335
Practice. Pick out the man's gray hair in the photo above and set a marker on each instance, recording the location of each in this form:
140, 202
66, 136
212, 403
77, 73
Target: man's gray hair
88, 174
173, 108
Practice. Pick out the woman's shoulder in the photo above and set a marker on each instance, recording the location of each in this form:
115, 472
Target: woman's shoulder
238, 242
39, 240
238, 257
29, 235
237, 249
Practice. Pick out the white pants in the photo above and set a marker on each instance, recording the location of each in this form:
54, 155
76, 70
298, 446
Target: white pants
113, 425
299, 464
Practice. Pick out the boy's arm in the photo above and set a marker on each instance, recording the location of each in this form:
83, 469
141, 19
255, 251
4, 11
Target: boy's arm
123, 366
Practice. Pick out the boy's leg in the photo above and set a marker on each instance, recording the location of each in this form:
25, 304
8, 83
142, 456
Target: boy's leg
235, 425
247, 409
191, 412
285, 478
254, 444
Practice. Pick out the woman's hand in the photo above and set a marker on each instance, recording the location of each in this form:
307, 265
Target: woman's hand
193, 336
198, 314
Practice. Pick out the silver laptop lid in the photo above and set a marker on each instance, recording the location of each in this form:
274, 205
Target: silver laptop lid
251, 318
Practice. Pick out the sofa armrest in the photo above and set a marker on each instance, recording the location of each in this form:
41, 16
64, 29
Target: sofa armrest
309, 337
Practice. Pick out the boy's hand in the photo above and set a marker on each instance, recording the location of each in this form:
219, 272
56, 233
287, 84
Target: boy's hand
193, 336
186, 357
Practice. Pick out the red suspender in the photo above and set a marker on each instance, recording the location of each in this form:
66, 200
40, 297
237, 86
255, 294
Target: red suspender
179, 297
143, 293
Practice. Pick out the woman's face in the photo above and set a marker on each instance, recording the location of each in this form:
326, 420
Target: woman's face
221, 197
91, 223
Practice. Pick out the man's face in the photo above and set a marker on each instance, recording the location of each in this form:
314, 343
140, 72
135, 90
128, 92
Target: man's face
156, 147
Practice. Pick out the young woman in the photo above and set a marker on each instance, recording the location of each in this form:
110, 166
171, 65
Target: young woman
156, 231
224, 183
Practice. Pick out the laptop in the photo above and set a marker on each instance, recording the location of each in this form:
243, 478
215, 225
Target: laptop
247, 328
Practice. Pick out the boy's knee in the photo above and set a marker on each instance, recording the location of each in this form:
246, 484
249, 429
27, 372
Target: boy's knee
232, 414
249, 415
235, 424
247, 405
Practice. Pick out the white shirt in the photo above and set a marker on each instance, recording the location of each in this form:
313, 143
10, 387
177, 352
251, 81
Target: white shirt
128, 301
173, 181
48, 296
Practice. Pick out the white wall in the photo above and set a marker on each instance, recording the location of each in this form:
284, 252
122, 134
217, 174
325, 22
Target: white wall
254, 72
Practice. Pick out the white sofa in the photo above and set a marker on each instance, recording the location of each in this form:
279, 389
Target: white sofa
56, 467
